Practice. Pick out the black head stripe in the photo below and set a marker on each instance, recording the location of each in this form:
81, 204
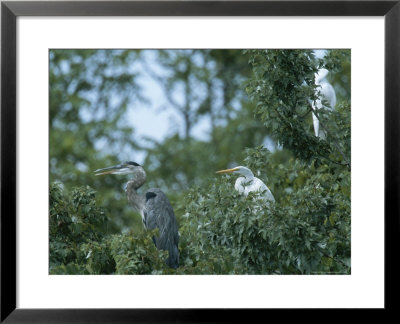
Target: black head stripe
132, 163
150, 195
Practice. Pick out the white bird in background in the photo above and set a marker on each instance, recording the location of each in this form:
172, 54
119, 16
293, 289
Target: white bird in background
249, 183
326, 95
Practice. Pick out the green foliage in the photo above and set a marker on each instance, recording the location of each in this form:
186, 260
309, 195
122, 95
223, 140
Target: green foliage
306, 231
283, 87
283, 84
79, 243
137, 254
72, 221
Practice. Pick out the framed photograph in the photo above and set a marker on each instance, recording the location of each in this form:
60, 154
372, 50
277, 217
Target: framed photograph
180, 160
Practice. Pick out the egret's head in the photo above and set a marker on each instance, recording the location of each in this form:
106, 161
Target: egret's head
123, 168
238, 170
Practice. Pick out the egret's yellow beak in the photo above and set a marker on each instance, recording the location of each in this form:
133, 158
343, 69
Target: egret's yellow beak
228, 170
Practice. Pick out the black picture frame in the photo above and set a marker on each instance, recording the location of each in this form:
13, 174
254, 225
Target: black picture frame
11, 10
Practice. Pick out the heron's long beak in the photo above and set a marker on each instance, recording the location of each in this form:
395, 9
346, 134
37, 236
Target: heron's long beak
110, 170
228, 170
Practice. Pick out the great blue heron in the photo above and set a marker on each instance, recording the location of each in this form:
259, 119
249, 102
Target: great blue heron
249, 183
326, 95
153, 206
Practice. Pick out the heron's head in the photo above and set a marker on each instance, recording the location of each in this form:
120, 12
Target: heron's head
123, 168
238, 170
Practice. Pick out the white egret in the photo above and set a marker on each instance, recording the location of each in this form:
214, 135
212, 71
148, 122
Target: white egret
326, 99
249, 183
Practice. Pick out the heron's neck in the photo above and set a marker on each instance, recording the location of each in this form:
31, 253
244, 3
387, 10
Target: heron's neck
138, 180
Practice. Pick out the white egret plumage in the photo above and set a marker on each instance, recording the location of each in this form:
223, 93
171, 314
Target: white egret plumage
249, 183
326, 99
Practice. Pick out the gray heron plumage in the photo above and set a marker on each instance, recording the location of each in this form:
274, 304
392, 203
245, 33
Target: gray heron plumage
153, 206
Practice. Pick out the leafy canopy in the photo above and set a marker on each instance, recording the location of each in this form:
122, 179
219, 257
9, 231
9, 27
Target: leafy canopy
248, 97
